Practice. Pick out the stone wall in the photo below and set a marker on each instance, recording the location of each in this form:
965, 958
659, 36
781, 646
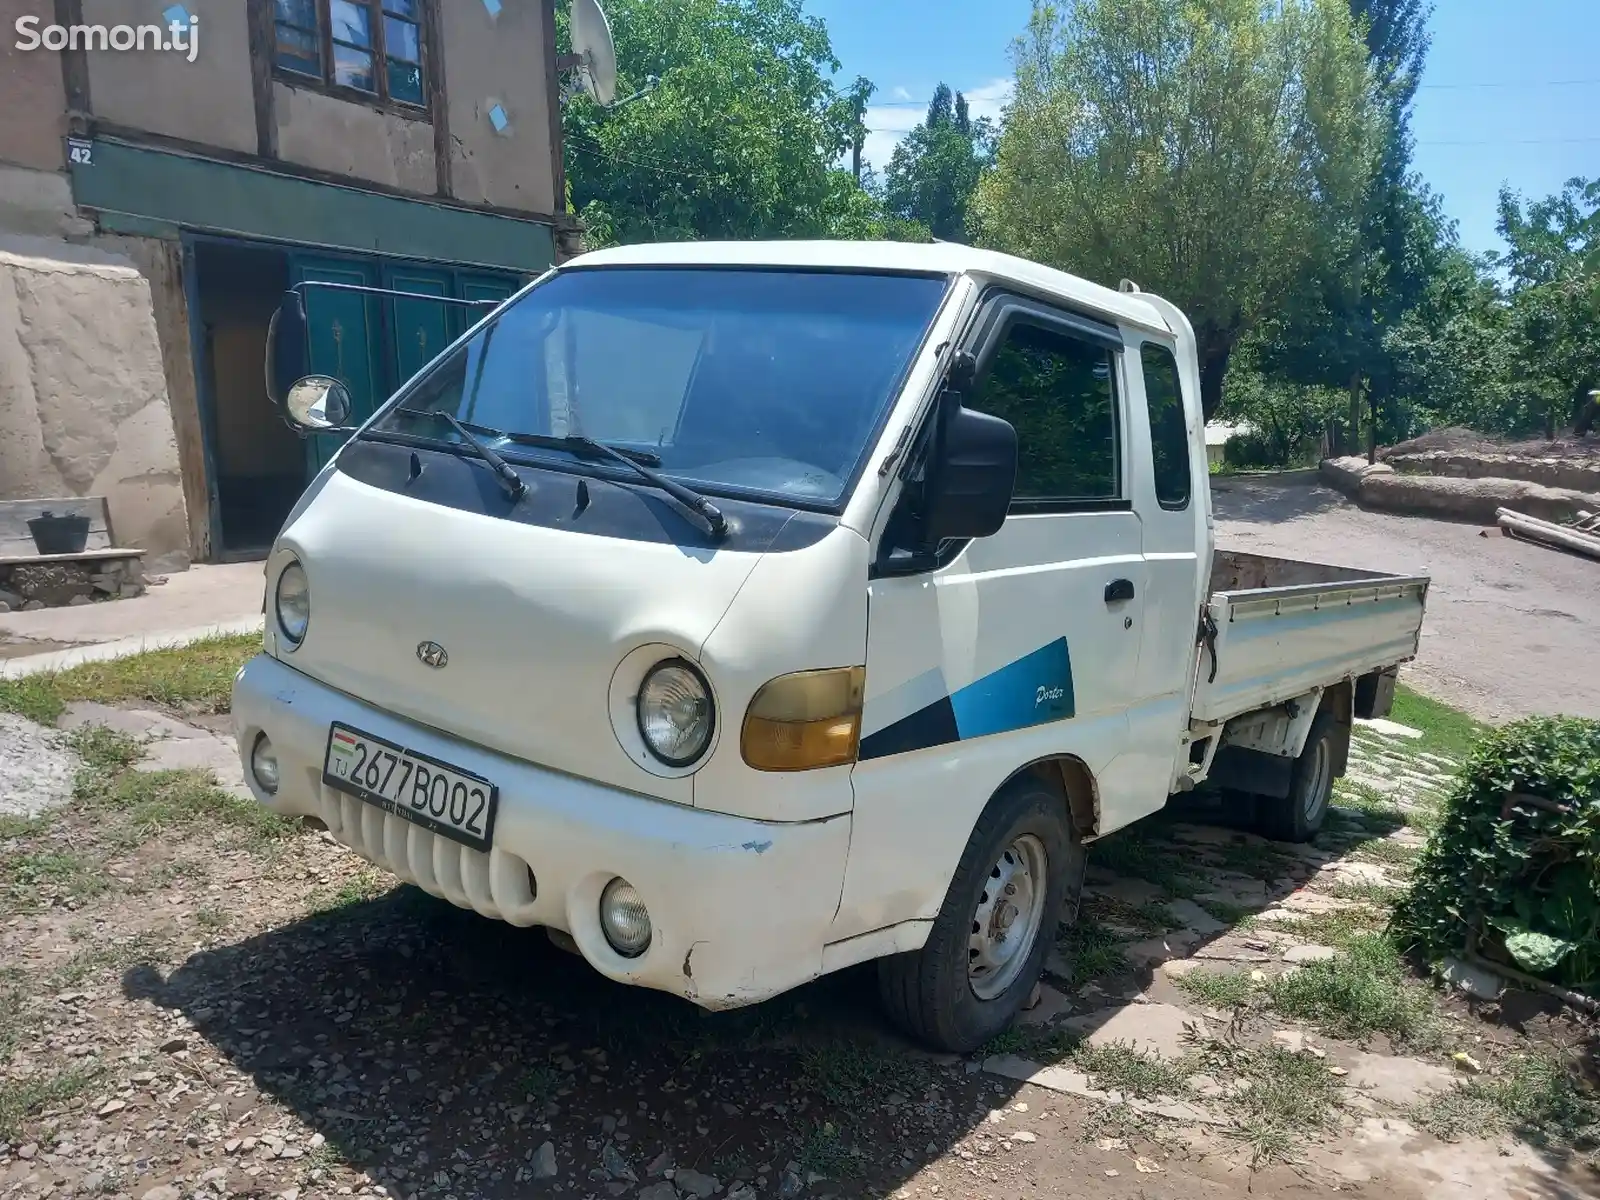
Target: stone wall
1581, 475
1379, 486
83, 399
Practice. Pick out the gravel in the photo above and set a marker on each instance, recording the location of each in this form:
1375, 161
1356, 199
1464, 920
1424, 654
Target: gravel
36, 767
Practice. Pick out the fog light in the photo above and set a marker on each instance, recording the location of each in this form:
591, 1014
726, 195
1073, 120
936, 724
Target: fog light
264, 765
625, 919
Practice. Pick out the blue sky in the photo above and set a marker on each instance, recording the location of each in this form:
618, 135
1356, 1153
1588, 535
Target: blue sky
1496, 105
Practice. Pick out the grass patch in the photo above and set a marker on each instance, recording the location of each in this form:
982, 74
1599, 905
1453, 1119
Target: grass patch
197, 678
1365, 891
846, 1072
1289, 1095
143, 804
1338, 928
1538, 1097
1445, 731
1091, 952
1388, 852
1121, 1068
825, 1152
1134, 852
32, 880
21, 1098
1361, 991
98, 960
1217, 989
1256, 861
1228, 914
365, 885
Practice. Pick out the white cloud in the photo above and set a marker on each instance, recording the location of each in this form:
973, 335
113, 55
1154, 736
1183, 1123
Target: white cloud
887, 124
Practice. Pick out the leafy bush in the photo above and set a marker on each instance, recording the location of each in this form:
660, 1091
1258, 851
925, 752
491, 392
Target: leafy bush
1519, 851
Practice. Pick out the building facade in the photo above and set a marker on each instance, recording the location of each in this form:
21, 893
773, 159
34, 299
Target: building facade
158, 199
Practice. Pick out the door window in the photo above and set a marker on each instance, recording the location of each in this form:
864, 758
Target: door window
1059, 393
1169, 434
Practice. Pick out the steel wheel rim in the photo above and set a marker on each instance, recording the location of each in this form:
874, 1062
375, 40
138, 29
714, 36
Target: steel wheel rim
1005, 925
1316, 799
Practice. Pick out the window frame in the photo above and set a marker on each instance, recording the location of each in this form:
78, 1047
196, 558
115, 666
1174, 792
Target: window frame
378, 15
999, 314
1171, 353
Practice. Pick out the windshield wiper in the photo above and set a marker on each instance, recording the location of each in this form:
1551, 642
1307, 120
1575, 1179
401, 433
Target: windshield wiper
508, 478
708, 512
586, 447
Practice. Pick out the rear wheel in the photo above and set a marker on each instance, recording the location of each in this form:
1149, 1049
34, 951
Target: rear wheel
1298, 816
984, 954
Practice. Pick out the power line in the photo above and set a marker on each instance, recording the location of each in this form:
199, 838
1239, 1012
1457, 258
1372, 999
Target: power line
1424, 87
1510, 83
1513, 141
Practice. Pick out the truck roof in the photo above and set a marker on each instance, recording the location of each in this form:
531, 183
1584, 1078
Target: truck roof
945, 258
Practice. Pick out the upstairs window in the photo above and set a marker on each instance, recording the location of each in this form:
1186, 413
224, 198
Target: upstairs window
364, 47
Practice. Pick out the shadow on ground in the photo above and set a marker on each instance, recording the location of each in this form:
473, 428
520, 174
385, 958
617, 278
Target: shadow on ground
1271, 499
440, 1052
444, 1050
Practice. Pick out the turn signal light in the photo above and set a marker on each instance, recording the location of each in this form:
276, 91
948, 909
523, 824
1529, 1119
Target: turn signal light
805, 720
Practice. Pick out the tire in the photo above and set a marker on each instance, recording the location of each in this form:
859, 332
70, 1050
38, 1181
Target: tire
1298, 816
952, 996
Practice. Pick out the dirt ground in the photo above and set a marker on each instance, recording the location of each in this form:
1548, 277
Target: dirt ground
198, 1000
1512, 629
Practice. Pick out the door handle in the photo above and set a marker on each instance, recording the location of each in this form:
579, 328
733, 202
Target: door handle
1119, 589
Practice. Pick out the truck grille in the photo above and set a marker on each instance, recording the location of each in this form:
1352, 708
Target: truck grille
498, 884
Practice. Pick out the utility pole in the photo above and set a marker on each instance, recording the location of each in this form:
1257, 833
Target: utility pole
860, 92
860, 135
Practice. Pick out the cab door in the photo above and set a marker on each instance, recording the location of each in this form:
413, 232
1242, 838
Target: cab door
1025, 645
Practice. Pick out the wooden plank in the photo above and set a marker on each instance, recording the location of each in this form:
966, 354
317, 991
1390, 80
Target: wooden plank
17, 540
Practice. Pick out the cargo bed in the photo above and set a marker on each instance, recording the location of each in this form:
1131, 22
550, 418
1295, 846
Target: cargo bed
1278, 628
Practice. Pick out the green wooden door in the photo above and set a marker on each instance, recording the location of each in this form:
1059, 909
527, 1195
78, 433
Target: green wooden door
481, 287
345, 334
419, 329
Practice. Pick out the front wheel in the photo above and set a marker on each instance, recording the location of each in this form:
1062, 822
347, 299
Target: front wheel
1298, 816
984, 954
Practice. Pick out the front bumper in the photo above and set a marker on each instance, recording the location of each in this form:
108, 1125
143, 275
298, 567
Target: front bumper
740, 909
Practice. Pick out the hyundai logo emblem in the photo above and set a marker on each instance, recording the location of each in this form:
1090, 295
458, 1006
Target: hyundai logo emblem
431, 654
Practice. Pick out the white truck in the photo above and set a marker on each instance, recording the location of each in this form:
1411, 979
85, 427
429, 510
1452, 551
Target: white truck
742, 612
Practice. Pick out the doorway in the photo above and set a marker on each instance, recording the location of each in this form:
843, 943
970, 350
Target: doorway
258, 463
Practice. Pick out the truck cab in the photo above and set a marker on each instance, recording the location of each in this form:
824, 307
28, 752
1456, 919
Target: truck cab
742, 612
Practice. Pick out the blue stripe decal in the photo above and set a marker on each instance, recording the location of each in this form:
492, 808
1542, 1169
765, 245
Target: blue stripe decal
1030, 691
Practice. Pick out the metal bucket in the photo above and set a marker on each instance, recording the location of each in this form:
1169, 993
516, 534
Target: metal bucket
59, 535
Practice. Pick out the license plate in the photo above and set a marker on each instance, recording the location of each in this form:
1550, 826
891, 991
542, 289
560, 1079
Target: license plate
454, 803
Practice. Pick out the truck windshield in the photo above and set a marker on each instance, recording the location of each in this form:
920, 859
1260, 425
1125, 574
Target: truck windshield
737, 380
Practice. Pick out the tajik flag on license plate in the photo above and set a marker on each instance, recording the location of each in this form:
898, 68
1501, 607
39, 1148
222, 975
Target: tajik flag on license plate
342, 750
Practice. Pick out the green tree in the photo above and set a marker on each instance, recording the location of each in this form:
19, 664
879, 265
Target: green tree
1216, 151
935, 168
741, 138
1335, 332
1553, 264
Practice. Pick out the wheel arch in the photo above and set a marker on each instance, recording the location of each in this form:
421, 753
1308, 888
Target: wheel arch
1071, 776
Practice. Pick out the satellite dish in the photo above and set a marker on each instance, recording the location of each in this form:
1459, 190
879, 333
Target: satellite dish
596, 53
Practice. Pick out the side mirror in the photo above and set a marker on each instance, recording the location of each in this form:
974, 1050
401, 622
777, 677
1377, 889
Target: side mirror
288, 347
316, 403
970, 483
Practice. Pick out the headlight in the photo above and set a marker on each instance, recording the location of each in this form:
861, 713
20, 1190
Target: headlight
624, 919
293, 602
676, 716
264, 764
